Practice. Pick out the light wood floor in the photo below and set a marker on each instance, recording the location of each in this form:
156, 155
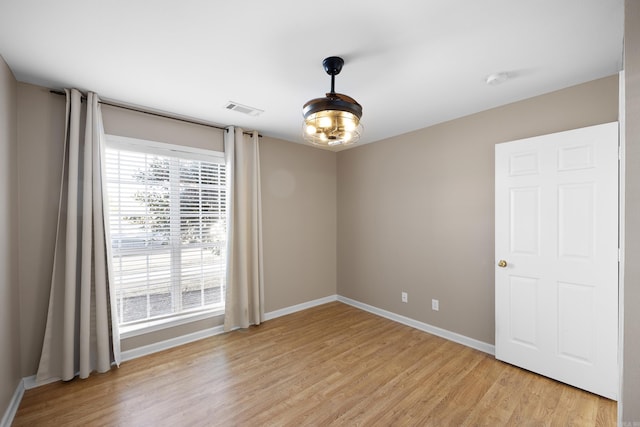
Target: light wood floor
329, 365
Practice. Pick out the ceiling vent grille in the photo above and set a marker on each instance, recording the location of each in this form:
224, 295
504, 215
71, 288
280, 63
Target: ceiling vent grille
244, 109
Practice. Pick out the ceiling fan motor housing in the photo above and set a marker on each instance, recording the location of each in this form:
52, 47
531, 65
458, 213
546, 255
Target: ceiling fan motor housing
333, 65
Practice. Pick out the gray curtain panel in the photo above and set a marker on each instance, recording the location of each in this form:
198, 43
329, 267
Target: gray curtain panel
81, 334
244, 304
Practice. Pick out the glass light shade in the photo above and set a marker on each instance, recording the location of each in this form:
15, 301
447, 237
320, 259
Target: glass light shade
332, 127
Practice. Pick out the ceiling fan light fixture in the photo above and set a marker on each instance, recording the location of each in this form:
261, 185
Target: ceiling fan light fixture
334, 119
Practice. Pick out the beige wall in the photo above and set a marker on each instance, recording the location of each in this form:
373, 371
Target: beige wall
10, 374
40, 133
631, 353
299, 189
416, 213
123, 122
299, 222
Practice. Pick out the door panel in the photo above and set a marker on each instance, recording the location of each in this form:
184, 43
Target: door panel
576, 309
524, 220
523, 293
523, 163
576, 226
557, 230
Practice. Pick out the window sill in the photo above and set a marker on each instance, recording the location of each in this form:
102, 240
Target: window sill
160, 324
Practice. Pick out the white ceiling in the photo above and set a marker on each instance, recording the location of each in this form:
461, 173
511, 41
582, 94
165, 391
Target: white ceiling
410, 63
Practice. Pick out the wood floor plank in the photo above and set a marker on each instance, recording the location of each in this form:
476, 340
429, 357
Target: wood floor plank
454, 409
580, 408
328, 365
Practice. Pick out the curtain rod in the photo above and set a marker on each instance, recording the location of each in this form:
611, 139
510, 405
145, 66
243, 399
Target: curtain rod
151, 113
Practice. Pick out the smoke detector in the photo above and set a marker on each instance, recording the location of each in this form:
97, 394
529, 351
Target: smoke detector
496, 78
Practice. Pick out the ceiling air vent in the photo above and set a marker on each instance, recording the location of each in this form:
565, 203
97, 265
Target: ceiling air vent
244, 109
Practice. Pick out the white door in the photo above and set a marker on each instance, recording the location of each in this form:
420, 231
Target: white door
557, 256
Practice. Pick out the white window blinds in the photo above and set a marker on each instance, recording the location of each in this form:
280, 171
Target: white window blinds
167, 214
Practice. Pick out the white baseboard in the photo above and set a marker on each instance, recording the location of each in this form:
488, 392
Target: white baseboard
425, 327
299, 307
30, 382
170, 343
10, 413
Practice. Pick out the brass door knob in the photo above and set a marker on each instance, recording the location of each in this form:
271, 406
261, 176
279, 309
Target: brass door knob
502, 263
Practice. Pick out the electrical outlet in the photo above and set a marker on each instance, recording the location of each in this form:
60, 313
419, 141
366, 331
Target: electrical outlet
435, 305
405, 297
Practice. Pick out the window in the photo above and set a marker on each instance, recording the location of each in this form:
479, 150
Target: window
167, 217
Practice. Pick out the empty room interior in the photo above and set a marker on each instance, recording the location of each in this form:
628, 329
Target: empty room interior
340, 213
